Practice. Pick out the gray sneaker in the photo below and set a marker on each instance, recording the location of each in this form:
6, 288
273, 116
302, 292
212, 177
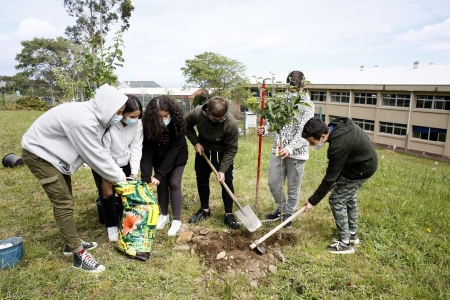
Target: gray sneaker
354, 239
86, 246
339, 247
87, 263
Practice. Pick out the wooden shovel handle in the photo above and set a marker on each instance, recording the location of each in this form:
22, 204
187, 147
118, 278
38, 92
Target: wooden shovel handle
225, 186
258, 242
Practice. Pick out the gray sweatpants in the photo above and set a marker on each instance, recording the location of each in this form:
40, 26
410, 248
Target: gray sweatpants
344, 206
292, 170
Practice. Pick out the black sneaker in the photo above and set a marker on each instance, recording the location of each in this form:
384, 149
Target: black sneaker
87, 263
289, 224
86, 246
354, 239
230, 221
200, 215
339, 247
274, 216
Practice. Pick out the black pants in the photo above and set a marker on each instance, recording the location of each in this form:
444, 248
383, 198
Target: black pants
111, 212
203, 172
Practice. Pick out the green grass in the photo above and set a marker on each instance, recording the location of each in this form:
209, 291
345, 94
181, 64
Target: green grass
404, 230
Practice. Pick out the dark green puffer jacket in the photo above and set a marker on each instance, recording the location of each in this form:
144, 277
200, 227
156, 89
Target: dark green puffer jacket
350, 154
219, 136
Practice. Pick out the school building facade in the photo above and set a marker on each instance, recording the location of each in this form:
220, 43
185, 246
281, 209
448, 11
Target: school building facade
402, 108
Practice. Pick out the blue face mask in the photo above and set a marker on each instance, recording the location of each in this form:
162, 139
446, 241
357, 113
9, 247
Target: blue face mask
167, 121
116, 119
130, 121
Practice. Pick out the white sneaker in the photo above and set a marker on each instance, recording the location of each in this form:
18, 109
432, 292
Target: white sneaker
163, 220
113, 234
174, 228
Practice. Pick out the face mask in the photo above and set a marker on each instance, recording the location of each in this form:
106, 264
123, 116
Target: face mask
318, 146
130, 121
291, 95
167, 121
116, 119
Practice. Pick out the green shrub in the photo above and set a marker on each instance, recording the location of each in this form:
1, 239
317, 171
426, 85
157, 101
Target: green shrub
27, 103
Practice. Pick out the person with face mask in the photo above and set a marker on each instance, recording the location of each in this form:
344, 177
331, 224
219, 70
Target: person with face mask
217, 138
123, 140
165, 154
57, 144
288, 160
352, 160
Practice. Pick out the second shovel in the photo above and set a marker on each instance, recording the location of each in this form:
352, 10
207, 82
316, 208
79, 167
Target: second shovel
246, 214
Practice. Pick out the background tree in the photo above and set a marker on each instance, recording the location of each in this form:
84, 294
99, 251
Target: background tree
40, 56
200, 99
95, 18
215, 73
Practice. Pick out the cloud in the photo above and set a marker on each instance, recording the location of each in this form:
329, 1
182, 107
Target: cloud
433, 47
32, 27
428, 33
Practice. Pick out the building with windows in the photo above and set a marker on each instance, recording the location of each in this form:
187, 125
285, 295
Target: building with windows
403, 108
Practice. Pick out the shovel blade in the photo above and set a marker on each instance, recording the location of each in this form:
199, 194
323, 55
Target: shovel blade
248, 218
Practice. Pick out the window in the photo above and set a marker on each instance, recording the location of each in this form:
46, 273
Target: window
430, 134
318, 116
433, 102
340, 97
335, 117
400, 100
392, 128
364, 98
319, 96
368, 125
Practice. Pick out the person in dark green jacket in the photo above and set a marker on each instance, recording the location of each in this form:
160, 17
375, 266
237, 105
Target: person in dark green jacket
352, 160
217, 138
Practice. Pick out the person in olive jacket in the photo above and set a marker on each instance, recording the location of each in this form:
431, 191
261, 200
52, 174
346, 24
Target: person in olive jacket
165, 150
217, 138
352, 160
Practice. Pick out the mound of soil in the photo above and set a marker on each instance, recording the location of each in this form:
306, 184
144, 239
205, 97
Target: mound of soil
229, 252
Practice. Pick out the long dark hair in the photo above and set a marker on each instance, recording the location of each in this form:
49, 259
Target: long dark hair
153, 127
132, 104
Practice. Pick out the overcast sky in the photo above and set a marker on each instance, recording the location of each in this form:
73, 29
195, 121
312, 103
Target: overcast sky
264, 35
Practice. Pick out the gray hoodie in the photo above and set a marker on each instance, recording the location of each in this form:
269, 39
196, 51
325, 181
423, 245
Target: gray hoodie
70, 134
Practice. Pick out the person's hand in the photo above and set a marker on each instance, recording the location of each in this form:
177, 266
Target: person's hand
199, 148
284, 153
220, 177
154, 181
134, 176
308, 205
260, 130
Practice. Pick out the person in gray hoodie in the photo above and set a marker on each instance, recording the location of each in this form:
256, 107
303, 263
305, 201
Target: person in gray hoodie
57, 144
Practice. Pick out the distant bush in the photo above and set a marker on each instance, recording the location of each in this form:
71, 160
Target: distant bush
27, 103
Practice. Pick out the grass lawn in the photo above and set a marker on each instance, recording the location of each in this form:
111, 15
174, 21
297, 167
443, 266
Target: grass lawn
404, 231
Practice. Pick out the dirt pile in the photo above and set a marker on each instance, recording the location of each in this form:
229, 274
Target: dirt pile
229, 251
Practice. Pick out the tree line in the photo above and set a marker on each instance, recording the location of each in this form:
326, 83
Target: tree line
75, 65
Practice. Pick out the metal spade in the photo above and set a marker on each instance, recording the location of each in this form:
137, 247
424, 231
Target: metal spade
246, 214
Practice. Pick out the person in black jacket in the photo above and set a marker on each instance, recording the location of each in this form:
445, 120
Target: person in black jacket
165, 150
352, 160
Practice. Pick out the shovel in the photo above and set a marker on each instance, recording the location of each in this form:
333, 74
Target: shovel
257, 244
246, 214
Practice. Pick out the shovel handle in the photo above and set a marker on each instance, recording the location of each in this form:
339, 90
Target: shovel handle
258, 242
225, 186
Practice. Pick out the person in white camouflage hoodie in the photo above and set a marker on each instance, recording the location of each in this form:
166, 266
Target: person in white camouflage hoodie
293, 154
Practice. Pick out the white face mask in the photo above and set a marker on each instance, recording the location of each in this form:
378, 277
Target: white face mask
167, 121
116, 119
319, 145
291, 95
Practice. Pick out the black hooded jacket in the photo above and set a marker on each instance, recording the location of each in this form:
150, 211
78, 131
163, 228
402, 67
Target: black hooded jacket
350, 154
